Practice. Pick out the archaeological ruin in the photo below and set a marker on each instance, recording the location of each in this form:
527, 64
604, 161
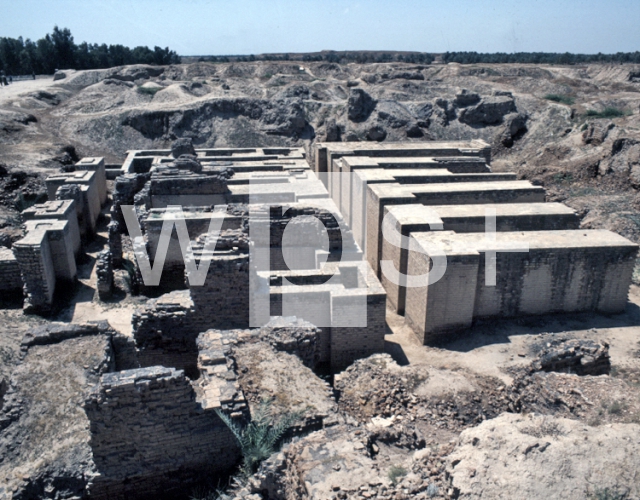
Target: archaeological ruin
306, 254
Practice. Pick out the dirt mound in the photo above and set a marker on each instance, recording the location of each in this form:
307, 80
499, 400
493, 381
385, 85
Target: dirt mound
537, 457
548, 123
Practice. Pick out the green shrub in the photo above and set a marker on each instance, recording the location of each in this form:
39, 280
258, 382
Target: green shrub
562, 99
616, 408
395, 473
260, 438
608, 112
149, 90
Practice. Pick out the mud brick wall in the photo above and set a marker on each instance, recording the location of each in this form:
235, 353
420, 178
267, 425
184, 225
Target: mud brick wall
115, 243
223, 300
165, 332
58, 210
73, 192
556, 280
126, 186
295, 336
10, 279
448, 304
218, 385
197, 222
184, 183
148, 433
166, 328
142, 202
96, 165
38, 274
552, 277
339, 237
104, 272
177, 187
351, 343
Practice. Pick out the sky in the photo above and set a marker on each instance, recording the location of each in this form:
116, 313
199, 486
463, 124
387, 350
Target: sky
219, 27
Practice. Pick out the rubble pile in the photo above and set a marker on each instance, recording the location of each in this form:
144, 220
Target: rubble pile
582, 357
378, 387
382, 461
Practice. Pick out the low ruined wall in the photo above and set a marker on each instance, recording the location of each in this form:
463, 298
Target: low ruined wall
165, 332
126, 186
36, 268
148, 434
115, 243
166, 328
9, 271
104, 272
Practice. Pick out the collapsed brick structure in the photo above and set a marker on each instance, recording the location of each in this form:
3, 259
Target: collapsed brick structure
138, 432
46, 256
582, 357
253, 184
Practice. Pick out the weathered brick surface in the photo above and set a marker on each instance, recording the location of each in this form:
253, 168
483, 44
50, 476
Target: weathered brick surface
115, 243
149, 434
10, 279
165, 331
36, 268
563, 271
126, 186
104, 273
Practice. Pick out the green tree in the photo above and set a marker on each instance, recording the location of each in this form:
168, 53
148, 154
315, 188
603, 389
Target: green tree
63, 47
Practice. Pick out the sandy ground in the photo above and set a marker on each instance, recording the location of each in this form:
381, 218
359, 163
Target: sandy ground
24, 86
85, 305
487, 349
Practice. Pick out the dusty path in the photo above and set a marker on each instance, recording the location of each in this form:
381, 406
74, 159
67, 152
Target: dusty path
13, 90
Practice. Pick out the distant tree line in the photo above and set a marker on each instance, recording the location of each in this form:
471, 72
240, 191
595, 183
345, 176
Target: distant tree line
427, 58
58, 51
333, 56
540, 58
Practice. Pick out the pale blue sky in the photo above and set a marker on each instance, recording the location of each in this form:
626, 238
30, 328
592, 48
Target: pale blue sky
203, 27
